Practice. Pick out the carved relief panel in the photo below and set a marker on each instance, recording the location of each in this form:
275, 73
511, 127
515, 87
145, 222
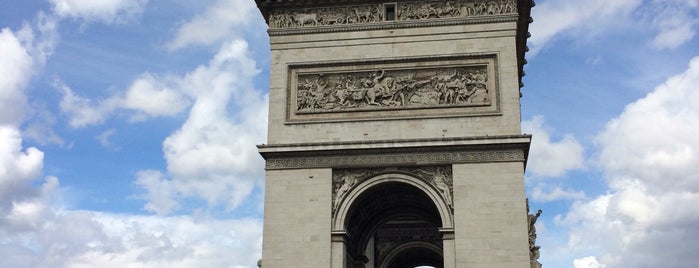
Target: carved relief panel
384, 89
392, 89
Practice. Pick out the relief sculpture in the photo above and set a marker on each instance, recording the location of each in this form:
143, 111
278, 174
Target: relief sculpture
440, 177
392, 89
448, 9
417, 10
326, 16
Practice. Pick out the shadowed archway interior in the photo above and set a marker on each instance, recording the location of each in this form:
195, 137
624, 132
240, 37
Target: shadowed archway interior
393, 225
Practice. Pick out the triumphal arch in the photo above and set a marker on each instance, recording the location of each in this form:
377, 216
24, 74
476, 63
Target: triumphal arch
394, 134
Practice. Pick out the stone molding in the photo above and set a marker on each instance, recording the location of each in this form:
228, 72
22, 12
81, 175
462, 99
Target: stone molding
408, 152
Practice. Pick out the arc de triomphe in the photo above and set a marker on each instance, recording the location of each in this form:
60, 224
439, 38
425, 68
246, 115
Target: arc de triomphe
394, 134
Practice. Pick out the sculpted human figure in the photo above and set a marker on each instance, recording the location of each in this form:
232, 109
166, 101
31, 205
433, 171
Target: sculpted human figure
375, 87
346, 181
531, 218
440, 181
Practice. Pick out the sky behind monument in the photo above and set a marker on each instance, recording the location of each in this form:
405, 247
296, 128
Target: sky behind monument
127, 132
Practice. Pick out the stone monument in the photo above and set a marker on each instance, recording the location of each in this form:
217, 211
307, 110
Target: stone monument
394, 134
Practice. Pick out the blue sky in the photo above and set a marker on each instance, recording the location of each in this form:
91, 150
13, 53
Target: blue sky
127, 132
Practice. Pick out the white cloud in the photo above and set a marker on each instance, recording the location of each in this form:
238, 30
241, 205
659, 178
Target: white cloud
23, 53
83, 111
148, 96
587, 262
648, 154
106, 11
103, 138
655, 138
15, 69
160, 192
212, 156
36, 231
221, 21
90, 239
17, 169
549, 158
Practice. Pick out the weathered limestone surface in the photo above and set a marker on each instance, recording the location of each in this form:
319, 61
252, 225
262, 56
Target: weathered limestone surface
490, 229
296, 222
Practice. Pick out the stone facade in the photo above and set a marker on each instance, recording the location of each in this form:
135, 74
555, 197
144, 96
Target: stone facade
417, 96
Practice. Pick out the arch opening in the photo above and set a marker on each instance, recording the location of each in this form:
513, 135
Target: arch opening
393, 224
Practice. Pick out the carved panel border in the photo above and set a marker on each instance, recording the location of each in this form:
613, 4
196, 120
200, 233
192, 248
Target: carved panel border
383, 89
335, 161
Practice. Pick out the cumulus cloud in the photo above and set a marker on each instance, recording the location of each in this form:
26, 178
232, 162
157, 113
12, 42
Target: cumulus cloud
83, 111
222, 20
15, 70
152, 97
67, 238
37, 230
212, 156
148, 96
649, 218
21, 54
106, 11
19, 201
548, 158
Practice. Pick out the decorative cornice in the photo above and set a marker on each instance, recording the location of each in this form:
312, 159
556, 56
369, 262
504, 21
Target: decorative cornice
368, 160
502, 141
397, 152
392, 25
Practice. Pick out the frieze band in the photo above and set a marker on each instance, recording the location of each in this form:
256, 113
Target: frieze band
392, 89
394, 159
404, 11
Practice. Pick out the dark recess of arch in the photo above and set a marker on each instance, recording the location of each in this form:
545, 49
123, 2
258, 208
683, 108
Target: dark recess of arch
383, 203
